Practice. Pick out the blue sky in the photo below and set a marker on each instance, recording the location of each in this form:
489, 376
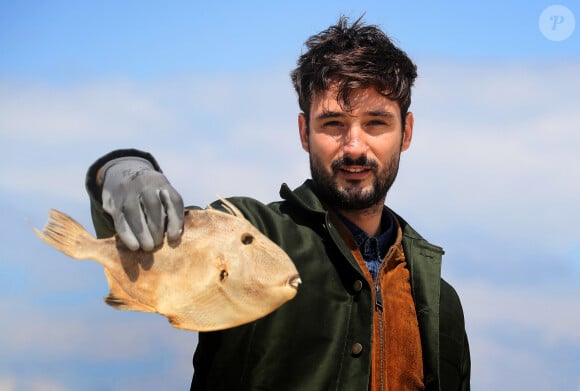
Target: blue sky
492, 174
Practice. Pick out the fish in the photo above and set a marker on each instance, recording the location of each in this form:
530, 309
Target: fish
222, 272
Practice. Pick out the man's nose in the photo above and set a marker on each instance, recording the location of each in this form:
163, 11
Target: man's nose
354, 142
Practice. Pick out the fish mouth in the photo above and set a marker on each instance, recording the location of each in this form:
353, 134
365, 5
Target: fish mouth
295, 281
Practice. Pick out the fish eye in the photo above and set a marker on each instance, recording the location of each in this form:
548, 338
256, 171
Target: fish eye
223, 274
247, 238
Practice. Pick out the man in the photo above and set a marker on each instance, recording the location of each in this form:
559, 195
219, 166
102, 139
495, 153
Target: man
372, 312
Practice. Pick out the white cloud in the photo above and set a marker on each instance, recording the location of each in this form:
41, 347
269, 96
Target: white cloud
89, 329
496, 146
7, 384
545, 313
520, 331
494, 154
484, 133
239, 131
87, 339
31, 384
491, 358
73, 114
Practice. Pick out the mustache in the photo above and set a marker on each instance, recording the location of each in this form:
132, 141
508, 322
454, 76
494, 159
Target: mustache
347, 161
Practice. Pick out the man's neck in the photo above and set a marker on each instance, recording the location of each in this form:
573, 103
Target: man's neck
369, 220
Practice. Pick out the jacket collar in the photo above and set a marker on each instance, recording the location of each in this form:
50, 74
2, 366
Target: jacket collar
304, 196
424, 260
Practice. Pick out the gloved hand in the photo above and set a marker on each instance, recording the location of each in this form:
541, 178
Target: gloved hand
142, 203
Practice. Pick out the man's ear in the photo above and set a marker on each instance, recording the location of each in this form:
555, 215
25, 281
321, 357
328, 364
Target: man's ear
303, 129
408, 131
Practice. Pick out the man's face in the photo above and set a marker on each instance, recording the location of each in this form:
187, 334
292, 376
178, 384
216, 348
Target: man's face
354, 155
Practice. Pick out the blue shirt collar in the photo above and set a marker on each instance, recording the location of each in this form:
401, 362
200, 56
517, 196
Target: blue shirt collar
373, 246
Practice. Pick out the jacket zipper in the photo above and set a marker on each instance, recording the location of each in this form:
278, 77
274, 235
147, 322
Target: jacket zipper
379, 307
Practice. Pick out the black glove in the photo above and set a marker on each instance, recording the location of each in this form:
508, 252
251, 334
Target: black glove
142, 203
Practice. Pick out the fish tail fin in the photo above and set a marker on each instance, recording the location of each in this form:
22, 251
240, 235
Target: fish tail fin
65, 234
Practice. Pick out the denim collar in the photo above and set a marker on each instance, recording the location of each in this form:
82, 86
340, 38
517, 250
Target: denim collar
373, 248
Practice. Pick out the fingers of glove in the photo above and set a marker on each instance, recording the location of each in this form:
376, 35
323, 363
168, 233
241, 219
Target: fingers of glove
125, 233
136, 220
121, 226
174, 209
153, 210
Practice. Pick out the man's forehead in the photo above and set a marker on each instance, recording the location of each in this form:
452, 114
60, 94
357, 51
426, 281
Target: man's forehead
365, 99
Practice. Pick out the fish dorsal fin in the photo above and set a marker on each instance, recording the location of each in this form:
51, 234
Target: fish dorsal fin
229, 207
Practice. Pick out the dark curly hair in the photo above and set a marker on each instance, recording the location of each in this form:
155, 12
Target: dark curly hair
356, 56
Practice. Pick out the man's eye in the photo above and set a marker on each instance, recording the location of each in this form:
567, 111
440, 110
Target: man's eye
377, 123
332, 124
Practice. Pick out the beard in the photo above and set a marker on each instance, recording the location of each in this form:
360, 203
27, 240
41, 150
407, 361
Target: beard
353, 196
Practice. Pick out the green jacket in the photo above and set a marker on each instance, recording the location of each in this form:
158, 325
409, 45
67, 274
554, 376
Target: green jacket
307, 343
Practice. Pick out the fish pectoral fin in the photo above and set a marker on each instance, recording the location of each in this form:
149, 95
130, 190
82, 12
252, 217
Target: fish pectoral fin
121, 300
175, 321
121, 303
